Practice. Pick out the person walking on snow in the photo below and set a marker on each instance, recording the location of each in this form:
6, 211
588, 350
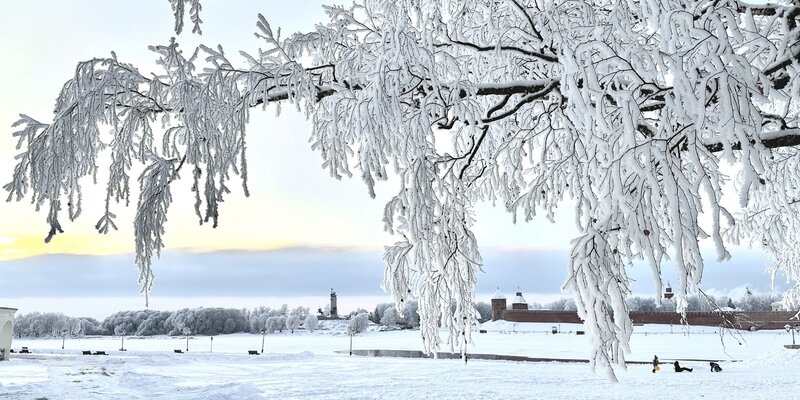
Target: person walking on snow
656, 368
678, 368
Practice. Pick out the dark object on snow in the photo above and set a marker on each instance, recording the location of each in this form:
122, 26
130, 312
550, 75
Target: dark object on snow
86, 352
178, 351
11, 351
100, 353
24, 350
656, 368
678, 368
715, 367
579, 332
252, 352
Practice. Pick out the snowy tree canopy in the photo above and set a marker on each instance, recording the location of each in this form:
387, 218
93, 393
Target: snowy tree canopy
311, 322
390, 317
292, 323
645, 115
358, 323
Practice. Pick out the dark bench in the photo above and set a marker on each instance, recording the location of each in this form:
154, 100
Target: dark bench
86, 352
252, 352
24, 350
178, 351
579, 332
100, 353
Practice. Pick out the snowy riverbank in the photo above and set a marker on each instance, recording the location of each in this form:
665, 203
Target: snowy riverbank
305, 365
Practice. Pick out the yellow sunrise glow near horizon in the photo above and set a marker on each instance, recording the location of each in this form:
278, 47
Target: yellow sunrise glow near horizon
99, 245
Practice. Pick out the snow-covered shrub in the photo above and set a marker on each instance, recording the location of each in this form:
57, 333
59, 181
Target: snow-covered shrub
292, 323
410, 317
299, 312
484, 310
380, 308
359, 323
390, 317
273, 324
310, 323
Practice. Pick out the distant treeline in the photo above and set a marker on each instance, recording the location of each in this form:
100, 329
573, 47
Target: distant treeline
199, 321
215, 321
196, 321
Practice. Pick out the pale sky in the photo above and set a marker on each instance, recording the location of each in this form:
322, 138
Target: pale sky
298, 223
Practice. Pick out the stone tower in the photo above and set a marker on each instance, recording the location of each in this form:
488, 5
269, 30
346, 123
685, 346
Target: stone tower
519, 302
334, 311
498, 305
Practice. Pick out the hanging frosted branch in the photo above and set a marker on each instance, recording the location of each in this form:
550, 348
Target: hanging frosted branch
597, 276
437, 262
151, 215
179, 11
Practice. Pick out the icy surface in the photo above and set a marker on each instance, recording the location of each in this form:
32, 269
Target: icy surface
304, 365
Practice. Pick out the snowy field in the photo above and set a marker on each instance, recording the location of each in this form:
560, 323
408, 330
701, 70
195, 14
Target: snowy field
307, 366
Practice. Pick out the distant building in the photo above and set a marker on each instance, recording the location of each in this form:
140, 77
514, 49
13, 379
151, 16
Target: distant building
668, 292
519, 302
728, 317
334, 310
498, 305
6, 331
333, 313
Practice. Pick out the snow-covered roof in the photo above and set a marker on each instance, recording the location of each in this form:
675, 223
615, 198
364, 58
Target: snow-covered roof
498, 294
518, 299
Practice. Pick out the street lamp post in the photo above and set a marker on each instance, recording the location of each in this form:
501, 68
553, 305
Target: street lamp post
122, 340
792, 329
263, 335
63, 338
212, 345
187, 331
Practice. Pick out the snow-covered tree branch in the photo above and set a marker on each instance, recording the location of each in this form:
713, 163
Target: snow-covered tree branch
637, 112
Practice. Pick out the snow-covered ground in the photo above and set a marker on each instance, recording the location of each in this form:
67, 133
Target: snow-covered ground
307, 366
